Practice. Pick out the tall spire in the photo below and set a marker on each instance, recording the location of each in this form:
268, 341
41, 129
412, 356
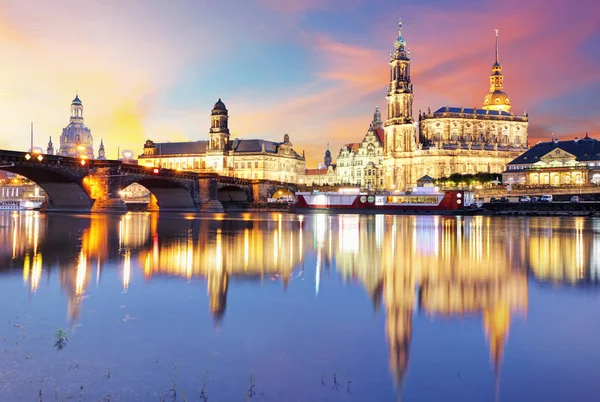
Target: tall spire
496, 99
400, 94
497, 62
400, 43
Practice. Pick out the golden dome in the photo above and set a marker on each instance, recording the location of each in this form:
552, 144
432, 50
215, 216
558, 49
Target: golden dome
497, 100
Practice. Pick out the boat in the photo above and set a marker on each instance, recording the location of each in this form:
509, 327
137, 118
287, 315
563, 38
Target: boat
30, 203
33, 202
421, 200
10, 205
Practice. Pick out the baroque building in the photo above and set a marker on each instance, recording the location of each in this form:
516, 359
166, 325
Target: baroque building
243, 158
76, 139
449, 140
557, 163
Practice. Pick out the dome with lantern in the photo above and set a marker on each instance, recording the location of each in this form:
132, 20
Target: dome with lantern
76, 139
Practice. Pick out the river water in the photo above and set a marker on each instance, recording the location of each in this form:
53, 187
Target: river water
283, 307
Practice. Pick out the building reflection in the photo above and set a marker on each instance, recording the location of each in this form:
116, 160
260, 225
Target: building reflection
439, 266
447, 267
224, 249
564, 252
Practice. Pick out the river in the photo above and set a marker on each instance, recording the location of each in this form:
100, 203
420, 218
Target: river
284, 307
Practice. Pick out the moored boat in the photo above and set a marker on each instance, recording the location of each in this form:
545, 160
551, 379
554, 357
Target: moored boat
422, 200
31, 203
11, 205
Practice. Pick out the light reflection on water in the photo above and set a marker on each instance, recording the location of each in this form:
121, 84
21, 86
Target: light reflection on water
474, 269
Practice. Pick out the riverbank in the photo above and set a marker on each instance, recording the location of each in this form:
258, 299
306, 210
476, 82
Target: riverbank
230, 207
591, 208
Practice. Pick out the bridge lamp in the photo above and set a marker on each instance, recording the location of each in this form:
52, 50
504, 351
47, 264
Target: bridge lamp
83, 162
27, 156
40, 158
156, 170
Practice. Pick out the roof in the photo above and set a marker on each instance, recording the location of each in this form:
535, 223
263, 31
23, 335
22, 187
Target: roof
586, 149
352, 146
380, 134
253, 145
426, 178
315, 172
465, 110
240, 145
181, 148
76, 101
199, 147
219, 105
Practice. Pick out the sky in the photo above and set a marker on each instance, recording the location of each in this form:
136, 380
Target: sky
314, 69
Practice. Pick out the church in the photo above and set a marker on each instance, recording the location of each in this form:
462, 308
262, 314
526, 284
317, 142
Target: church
243, 158
394, 154
76, 139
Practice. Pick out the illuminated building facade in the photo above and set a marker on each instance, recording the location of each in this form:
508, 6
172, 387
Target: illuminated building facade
76, 139
557, 163
249, 159
324, 174
449, 140
361, 163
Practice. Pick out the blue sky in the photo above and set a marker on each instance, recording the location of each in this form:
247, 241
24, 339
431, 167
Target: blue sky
315, 69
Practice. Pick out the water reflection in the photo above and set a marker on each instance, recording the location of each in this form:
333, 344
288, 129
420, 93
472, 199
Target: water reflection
443, 266
439, 266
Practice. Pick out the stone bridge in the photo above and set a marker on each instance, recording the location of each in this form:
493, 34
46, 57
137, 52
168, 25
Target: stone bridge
82, 185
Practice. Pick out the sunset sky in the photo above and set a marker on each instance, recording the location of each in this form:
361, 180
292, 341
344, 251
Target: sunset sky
316, 69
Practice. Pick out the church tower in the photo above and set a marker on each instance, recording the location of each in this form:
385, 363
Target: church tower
496, 99
219, 132
101, 151
327, 159
377, 118
50, 148
400, 129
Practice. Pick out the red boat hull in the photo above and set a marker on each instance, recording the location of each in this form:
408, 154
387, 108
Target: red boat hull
447, 203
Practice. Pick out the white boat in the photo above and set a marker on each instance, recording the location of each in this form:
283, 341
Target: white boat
31, 203
10, 205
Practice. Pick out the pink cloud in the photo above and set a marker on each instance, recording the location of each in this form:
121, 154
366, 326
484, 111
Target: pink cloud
302, 6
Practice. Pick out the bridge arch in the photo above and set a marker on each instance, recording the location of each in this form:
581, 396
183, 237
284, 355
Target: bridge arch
65, 189
168, 194
282, 192
231, 193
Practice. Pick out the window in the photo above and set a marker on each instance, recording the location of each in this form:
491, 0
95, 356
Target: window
256, 164
243, 165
